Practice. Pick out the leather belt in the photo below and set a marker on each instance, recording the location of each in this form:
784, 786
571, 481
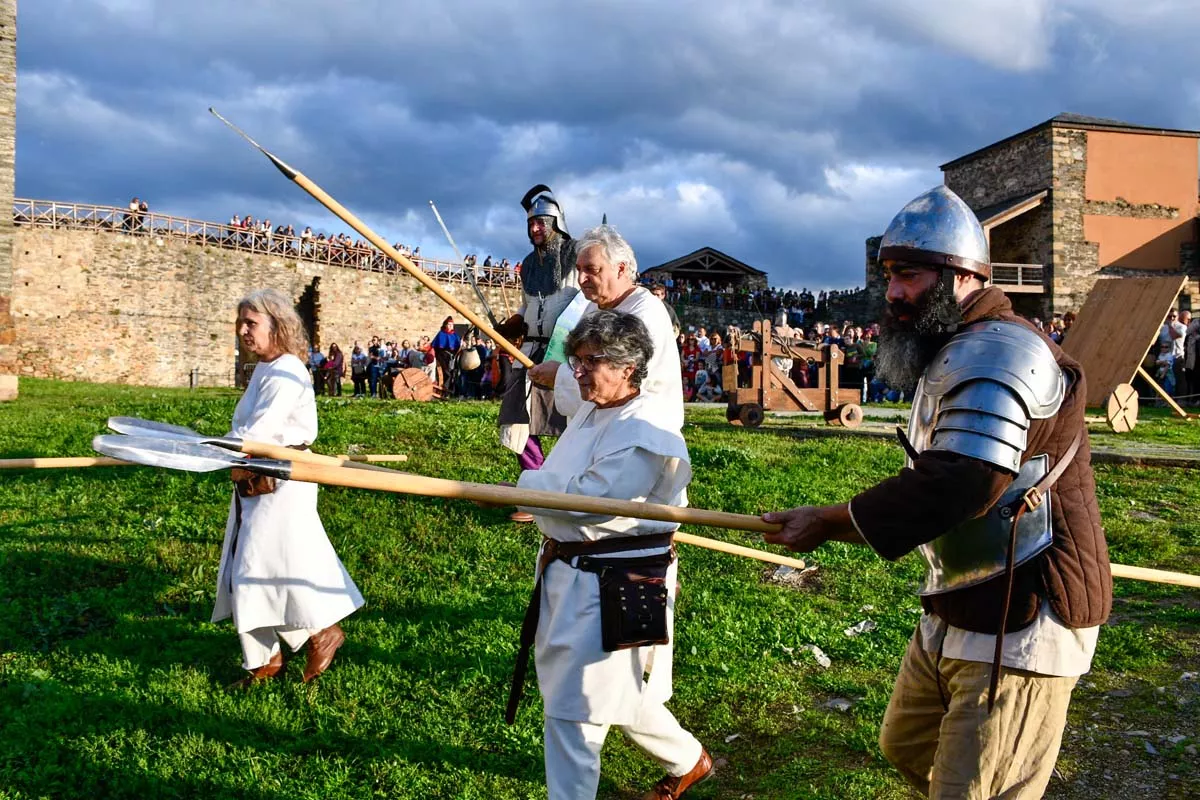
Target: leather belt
554, 550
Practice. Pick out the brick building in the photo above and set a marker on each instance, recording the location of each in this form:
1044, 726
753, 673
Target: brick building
1076, 199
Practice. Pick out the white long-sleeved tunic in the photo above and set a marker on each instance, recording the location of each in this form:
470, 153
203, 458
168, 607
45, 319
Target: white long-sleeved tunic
664, 378
280, 568
627, 453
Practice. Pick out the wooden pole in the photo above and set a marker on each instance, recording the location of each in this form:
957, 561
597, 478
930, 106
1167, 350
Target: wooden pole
60, 463
1155, 575
1161, 392
407, 483
319, 194
738, 550
375, 458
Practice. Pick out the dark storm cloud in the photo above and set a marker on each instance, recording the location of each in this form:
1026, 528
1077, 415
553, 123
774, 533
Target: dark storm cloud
783, 136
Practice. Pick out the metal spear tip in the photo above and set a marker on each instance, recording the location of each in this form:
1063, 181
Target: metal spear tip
136, 426
182, 455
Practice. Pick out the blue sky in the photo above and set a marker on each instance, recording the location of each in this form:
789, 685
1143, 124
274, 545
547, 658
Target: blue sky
781, 133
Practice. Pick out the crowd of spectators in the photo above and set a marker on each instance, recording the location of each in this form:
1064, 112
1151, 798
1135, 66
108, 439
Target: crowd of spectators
734, 295
373, 369
344, 250
1172, 358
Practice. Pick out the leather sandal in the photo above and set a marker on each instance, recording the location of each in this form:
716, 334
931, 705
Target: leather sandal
271, 669
671, 788
321, 647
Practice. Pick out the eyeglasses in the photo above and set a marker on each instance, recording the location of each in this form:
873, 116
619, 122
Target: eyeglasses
586, 363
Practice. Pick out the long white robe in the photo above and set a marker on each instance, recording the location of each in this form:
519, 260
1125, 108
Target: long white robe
664, 378
626, 453
284, 570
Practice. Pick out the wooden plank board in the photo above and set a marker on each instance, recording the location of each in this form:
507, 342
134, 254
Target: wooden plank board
1116, 327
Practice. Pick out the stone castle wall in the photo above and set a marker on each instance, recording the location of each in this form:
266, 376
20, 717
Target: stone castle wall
1018, 167
108, 307
8, 140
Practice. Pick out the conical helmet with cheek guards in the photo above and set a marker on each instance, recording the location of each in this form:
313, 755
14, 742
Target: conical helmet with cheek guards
937, 229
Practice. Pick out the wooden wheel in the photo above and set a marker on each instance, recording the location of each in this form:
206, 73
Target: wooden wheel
1122, 408
751, 415
847, 415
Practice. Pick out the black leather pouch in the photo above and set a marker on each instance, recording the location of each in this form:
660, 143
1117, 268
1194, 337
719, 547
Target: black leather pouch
633, 599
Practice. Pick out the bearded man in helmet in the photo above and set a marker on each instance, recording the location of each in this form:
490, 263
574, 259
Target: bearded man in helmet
997, 497
549, 283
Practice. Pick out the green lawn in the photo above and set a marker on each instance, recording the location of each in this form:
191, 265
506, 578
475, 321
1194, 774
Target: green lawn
111, 676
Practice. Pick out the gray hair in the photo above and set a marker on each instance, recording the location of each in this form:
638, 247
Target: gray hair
287, 329
622, 337
616, 249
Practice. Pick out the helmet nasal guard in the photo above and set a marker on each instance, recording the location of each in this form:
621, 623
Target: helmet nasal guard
539, 202
938, 229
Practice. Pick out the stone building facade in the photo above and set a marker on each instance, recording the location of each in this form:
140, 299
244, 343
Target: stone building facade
109, 307
8, 141
1082, 199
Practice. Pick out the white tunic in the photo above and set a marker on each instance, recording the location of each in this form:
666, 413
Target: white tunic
628, 453
664, 378
284, 571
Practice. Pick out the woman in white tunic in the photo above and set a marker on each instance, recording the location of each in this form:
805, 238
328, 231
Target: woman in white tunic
279, 578
617, 445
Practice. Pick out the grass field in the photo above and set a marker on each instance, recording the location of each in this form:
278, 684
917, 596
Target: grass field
111, 675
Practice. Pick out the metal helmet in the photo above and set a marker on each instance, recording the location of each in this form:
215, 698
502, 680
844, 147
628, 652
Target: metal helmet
939, 230
539, 202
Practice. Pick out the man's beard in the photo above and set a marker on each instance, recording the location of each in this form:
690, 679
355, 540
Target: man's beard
906, 347
549, 242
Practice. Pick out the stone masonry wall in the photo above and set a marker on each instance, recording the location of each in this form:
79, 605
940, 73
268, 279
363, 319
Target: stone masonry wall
8, 140
1018, 167
107, 307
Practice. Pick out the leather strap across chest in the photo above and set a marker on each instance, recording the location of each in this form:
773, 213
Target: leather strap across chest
1029, 501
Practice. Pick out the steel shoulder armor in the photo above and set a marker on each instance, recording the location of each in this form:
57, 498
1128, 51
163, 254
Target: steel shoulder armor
982, 390
977, 398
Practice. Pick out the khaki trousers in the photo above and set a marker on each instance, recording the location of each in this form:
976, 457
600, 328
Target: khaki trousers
958, 750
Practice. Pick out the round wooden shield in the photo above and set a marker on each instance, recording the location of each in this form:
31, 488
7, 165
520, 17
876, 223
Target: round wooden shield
1122, 408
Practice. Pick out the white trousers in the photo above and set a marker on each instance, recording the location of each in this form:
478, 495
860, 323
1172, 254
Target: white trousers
260, 645
573, 750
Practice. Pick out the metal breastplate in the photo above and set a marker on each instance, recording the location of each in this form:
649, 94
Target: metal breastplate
976, 550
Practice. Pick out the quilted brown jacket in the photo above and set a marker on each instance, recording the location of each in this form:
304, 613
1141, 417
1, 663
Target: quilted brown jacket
941, 490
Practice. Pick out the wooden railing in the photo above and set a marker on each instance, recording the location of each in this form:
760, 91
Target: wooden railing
1026, 278
82, 216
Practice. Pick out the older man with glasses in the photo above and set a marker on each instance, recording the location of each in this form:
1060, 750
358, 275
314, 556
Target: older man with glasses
607, 273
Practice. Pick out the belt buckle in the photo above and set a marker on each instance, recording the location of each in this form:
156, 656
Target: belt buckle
1032, 498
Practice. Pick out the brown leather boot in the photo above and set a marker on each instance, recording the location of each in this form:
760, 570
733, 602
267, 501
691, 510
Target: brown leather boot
321, 647
671, 788
267, 671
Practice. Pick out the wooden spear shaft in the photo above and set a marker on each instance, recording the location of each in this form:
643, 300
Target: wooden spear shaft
511, 496
301, 180
407, 483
